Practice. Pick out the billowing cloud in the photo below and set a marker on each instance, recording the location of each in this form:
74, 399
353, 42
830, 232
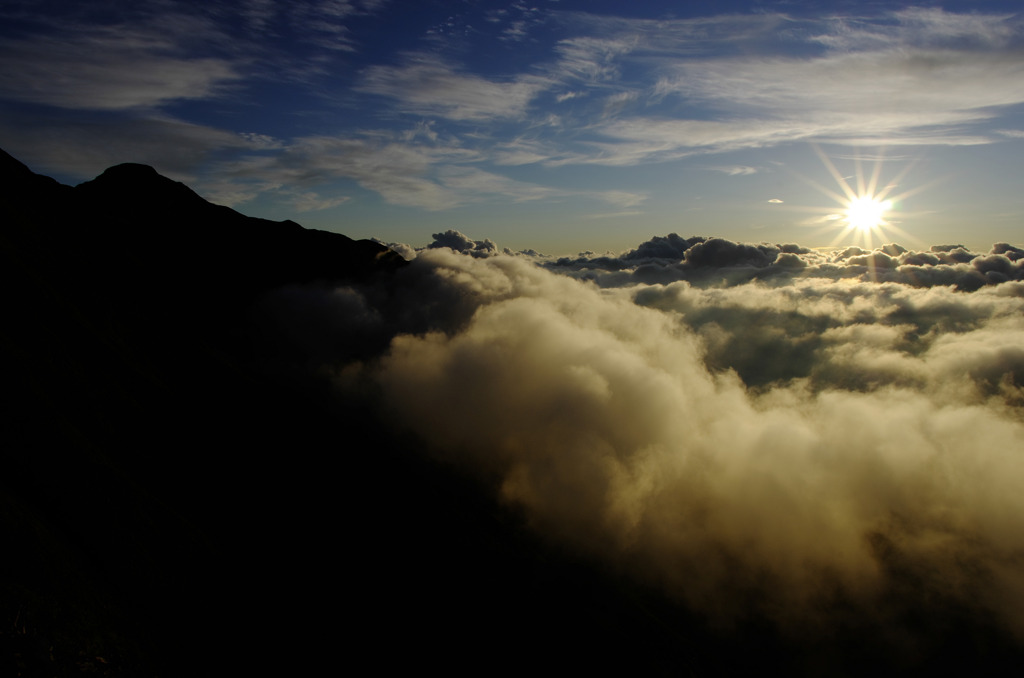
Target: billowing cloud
833, 456
458, 242
705, 261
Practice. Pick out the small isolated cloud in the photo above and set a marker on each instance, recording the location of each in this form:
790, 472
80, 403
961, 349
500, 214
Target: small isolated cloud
774, 200
620, 198
312, 202
614, 215
262, 142
736, 170
458, 242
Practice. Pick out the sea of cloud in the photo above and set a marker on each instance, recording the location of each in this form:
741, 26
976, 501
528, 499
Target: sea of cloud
825, 439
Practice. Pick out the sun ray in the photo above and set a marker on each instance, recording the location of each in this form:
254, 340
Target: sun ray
840, 180
872, 188
868, 207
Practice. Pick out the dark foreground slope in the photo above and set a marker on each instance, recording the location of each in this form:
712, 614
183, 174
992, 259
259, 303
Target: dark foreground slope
178, 496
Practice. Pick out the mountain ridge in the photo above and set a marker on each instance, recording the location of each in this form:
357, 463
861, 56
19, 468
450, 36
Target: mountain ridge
130, 208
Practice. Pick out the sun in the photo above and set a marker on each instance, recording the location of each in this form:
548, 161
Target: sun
870, 210
867, 212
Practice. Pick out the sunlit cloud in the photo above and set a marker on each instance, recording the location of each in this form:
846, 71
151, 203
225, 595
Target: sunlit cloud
736, 170
751, 449
875, 84
622, 198
614, 215
879, 85
921, 26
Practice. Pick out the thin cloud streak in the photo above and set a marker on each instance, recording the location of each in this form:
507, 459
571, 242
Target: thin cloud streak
117, 69
426, 85
876, 85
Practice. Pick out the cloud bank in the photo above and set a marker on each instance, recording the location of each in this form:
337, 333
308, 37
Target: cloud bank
833, 452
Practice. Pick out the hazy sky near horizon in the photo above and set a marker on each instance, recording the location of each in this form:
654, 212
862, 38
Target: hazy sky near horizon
558, 125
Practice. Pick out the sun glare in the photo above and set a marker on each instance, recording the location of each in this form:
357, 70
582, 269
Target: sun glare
867, 207
866, 212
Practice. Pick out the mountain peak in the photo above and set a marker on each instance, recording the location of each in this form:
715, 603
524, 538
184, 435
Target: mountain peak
134, 223
137, 185
131, 169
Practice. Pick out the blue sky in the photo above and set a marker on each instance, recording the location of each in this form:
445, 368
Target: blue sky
554, 125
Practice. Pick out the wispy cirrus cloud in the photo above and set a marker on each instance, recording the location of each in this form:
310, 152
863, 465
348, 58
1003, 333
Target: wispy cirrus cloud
632, 141
150, 57
922, 27
473, 184
427, 85
913, 77
401, 173
428, 173
322, 23
114, 68
875, 84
